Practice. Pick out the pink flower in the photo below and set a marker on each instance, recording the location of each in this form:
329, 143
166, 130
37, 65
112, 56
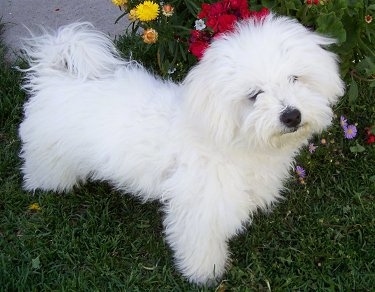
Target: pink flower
312, 148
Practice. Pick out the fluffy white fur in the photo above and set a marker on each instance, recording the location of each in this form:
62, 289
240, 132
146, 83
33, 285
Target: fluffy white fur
209, 150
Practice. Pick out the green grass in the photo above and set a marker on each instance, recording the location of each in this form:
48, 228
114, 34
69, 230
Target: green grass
322, 237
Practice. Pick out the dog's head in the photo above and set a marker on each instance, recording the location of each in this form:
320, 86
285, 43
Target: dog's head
267, 84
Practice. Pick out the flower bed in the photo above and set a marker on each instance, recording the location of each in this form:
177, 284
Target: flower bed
179, 29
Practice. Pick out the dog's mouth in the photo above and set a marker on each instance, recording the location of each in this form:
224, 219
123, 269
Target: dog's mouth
291, 136
291, 130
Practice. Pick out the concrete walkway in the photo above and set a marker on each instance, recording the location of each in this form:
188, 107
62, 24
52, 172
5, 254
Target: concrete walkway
53, 13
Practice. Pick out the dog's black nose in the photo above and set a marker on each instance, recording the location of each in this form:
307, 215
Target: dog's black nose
291, 117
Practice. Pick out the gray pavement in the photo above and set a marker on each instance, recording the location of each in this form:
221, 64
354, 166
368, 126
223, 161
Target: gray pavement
16, 14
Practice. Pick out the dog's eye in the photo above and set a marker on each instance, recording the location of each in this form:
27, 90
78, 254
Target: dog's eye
254, 94
293, 78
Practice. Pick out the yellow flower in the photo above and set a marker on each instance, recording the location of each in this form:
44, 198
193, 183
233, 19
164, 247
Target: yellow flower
132, 16
119, 2
168, 10
150, 36
34, 207
147, 11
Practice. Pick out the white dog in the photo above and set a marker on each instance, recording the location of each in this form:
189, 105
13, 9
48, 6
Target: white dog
212, 149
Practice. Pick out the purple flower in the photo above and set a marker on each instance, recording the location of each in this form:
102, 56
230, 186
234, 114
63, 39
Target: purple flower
301, 172
350, 131
312, 147
343, 122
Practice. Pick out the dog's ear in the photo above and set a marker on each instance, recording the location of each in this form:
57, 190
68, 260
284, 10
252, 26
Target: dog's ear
329, 80
209, 99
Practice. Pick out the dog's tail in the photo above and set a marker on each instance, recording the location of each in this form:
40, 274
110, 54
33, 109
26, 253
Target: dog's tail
76, 49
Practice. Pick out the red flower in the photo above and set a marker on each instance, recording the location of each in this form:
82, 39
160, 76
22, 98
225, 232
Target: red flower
226, 23
217, 8
197, 35
211, 22
194, 34
370, 137
259, 15
312, 2
197, 48
235, 4
211, 10
220, 17
205, 8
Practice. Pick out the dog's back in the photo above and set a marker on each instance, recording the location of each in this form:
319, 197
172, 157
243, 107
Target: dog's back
89, 111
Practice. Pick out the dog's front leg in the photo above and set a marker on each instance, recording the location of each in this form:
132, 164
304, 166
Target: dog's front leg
198, 234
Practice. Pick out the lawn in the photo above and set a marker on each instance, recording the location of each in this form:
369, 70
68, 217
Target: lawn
321, 237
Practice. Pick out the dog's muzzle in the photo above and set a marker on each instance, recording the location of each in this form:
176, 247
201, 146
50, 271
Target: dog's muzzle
291, 118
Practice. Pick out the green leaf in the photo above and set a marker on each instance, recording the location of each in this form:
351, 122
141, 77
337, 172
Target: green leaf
357, 148
268, 3
35, 263
330, 24
353, 92
353, 7
290, 5
367, 66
